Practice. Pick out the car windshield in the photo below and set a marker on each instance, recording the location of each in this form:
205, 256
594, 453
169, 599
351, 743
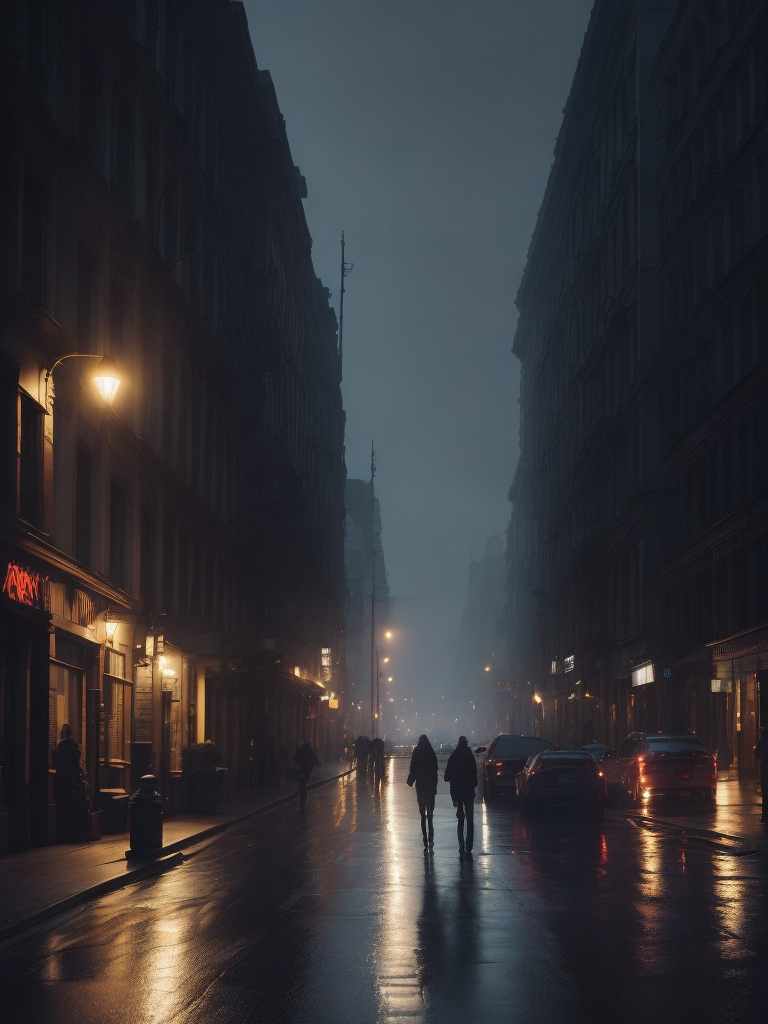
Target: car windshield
675, 745
566, 759
520, 746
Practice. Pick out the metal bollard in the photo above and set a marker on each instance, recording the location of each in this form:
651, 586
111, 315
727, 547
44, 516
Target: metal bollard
146, 820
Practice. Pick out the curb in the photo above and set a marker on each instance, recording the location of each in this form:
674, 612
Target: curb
220, 826
168, 857
737, 846
145, 869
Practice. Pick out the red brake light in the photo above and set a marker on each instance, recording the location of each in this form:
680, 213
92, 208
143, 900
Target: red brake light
498, 764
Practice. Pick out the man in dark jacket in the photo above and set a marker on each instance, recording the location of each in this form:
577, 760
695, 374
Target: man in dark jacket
306, 760
461, 775
424, 773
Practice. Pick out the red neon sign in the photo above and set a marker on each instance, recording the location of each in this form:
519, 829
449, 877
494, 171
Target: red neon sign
24, 586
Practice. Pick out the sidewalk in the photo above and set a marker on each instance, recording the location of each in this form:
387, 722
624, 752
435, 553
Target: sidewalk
40, 883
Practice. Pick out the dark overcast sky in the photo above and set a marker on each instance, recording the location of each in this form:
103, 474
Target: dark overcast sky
425, 130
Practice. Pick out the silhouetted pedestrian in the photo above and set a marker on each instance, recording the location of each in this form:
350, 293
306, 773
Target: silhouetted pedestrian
378, 758
70, 790
363, 748
423, 773
461, 775
761, 751
306, 760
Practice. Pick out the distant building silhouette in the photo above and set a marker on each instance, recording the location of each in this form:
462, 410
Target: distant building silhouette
479, 689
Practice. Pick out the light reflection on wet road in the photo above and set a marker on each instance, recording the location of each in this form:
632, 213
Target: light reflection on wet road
337, 916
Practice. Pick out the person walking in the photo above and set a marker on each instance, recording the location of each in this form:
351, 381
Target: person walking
378, 758
306, 760
423, 773
461, 776
761, 751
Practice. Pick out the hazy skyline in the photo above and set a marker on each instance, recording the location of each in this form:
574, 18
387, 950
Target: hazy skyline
425, 132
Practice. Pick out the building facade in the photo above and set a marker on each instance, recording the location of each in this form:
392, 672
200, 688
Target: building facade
675, 470
584, 538
711, 86
173, 564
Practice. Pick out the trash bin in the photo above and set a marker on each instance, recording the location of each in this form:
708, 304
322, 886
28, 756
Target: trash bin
146, 819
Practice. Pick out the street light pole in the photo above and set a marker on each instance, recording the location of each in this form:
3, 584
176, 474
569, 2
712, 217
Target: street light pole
374, 654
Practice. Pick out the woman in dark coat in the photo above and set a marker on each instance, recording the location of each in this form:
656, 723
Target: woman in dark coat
424, 773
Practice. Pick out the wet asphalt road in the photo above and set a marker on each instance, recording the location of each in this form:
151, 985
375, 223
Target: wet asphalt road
335, 915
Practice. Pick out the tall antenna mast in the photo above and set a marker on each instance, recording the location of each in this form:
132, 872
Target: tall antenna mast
346, 270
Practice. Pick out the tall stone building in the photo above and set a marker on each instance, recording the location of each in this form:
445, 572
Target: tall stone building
173, 566
711, 85
584, 539
639, 532
367, 609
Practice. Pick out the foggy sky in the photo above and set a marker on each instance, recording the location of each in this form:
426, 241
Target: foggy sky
425, 130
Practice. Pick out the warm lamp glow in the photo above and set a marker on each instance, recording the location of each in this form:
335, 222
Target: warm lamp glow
388, 634
107, 379
110, 627
537, 698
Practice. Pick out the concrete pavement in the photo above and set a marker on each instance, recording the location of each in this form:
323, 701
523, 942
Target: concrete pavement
41, 883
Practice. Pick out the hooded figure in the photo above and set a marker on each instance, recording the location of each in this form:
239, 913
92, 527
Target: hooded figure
461, 775
424, 773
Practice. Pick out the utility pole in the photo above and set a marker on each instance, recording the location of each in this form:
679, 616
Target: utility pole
374, 708
374, 679
346, 270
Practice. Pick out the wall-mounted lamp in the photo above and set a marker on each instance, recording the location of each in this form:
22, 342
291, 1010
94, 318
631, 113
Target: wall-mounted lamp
107, 377
537, 698
110, 625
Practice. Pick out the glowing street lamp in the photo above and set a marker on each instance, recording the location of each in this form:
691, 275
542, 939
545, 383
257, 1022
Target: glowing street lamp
107, 377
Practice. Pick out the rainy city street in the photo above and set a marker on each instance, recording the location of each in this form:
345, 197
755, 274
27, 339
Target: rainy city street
336, 915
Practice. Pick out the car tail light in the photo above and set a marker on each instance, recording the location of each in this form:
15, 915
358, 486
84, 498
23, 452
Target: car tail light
499, 764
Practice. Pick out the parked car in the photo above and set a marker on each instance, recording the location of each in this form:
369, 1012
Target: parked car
565, 778
597, 750
504, 757
646, 766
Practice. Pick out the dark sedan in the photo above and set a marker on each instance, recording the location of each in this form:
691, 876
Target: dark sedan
504, 757
563, 778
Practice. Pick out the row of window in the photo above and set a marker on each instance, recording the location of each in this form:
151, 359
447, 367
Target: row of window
719, 19
737, 343
610, 603
724, 476
720, 599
